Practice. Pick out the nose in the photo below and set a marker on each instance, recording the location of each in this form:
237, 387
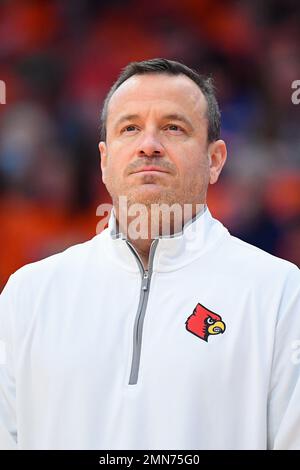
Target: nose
150, 146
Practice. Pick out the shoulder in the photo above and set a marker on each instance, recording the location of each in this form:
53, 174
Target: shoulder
62, 265
254, 263
43, 287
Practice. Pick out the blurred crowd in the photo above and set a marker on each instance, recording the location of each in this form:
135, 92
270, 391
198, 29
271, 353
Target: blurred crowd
59, 59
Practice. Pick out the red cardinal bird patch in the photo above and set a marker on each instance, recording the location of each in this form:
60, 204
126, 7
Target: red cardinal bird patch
204, 322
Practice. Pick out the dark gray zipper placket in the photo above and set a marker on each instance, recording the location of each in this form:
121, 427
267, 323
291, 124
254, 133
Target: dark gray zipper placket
140, 315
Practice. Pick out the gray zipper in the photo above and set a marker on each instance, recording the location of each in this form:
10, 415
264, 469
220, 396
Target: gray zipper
140, 315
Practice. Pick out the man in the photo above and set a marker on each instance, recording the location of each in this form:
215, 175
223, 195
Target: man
154, 335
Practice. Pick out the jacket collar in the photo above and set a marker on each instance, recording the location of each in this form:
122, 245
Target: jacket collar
172, 252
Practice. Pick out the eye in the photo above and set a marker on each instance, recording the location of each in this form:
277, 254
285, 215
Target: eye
210, 321
174, 128
129, 128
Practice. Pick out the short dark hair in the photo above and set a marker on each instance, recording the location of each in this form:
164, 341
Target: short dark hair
170, 67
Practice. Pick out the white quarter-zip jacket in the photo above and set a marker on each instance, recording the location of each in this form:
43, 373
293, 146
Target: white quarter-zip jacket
201, 351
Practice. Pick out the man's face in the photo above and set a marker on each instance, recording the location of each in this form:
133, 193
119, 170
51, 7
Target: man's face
156, 149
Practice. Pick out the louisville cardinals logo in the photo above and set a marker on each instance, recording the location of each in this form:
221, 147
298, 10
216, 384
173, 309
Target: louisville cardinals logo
204, 322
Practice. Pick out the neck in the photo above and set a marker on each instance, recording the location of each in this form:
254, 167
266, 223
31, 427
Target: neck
140, 230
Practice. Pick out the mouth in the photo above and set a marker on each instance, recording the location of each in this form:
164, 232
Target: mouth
150, 169
217, 329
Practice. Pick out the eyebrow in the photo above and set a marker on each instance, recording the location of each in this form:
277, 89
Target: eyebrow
172, 116
179, 117
126, 117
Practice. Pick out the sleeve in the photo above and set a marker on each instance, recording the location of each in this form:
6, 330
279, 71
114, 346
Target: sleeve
8, 426
284, 392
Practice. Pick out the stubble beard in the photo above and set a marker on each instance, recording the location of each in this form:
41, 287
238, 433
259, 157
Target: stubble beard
191, 193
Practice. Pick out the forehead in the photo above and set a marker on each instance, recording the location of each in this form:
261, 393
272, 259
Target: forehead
169, 93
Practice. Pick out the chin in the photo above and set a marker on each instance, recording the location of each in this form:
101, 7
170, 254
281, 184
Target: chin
144, 193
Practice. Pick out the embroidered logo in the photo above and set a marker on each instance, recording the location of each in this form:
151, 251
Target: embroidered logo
204, 322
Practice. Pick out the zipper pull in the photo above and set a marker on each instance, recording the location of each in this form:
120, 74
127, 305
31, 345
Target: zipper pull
145, 281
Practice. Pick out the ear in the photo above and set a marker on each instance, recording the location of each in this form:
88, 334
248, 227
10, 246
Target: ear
217, 153
103, 159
